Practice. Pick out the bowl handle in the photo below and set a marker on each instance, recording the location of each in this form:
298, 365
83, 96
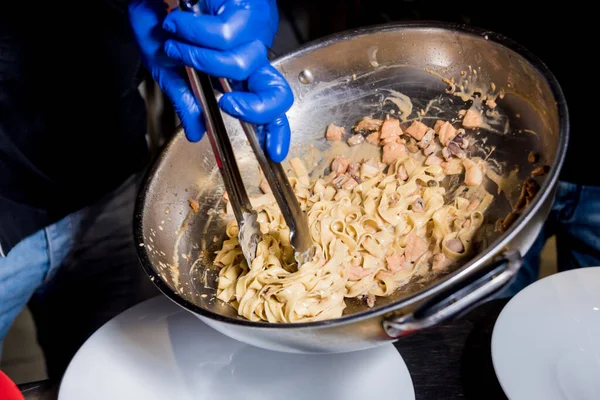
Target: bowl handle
458, 299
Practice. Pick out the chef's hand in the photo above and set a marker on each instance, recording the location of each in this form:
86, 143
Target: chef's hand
229, 42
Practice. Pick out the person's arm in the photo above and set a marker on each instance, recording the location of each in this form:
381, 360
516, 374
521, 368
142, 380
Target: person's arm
230, 42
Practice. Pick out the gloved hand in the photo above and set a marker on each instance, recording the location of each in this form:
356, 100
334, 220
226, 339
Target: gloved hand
228, 41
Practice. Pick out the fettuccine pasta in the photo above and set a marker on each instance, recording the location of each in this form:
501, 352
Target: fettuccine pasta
374, 226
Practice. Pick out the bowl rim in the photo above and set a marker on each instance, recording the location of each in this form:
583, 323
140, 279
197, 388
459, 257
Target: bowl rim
456, 276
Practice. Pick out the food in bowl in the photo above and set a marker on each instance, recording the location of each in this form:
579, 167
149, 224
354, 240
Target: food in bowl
375, 222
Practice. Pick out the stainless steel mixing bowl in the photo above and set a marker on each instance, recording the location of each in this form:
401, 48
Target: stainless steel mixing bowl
340, 79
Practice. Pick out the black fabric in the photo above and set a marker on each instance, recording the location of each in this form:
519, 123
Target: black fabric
72, 122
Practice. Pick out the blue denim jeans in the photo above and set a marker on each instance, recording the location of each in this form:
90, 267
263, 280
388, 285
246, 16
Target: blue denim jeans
575, 220
75, 275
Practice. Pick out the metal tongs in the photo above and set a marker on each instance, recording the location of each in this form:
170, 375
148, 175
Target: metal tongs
246, 216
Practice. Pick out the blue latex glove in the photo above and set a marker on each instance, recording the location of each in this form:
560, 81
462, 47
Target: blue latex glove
229, 41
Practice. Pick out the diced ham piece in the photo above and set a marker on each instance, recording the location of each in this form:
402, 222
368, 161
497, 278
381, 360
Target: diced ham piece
385, 141
417, 130
433, 160
432, 148
369, 169
446, 154
344, 182
392, 152
340, 165
356, 139
373, 138
447, 132
427, 139
390, 130
472, 119
416, 246
438, 125
453, 167
473, 173
395, 262
356, 272
334, 133
349, 184
353, 169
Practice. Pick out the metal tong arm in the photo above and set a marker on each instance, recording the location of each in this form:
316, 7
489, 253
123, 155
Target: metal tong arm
283, 192
219, 141
274, 174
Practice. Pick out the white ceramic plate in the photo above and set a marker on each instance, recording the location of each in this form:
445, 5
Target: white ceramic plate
546, 342
157, 350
